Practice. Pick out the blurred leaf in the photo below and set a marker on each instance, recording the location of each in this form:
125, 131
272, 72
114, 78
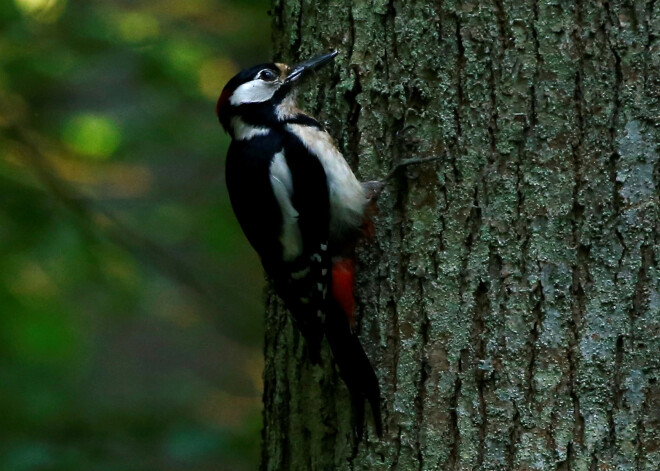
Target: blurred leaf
92, 135
184, 59
41, 336
190, 445
135, 27
26, 456
44, 11
213, 74
130, 319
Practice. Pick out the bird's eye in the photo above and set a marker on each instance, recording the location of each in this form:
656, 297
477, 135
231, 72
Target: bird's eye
267, 75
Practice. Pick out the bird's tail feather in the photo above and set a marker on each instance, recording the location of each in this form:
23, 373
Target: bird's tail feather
354, 367
312, 330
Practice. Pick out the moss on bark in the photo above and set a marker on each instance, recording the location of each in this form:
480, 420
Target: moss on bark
510, 301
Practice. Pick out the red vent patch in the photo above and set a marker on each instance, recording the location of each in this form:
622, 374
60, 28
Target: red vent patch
343, 277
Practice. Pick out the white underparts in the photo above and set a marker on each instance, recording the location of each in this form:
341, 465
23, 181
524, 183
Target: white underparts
347, 197
287, 108
281, 181
243, 131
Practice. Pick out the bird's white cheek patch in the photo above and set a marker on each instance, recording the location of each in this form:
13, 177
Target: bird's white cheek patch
256, 91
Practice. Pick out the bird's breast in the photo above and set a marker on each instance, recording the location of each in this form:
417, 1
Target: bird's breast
347, 198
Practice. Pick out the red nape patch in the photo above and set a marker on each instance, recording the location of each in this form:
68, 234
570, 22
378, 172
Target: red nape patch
223, 100
343, 278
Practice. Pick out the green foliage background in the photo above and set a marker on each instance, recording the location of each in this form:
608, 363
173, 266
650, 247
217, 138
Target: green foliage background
130, 304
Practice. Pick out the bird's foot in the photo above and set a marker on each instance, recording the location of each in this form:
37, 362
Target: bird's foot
408, 162
374, 188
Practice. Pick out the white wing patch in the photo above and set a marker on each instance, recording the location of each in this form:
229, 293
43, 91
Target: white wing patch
255, 91
282, 183
347, 198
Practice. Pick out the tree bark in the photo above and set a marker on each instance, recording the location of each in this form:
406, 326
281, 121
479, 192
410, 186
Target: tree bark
510, 299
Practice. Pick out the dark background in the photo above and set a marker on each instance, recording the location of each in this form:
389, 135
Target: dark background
130, 304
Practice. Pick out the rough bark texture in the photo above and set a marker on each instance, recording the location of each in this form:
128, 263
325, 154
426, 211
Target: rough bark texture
510, 301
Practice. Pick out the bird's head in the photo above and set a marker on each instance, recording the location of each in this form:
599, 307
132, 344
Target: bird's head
263, 94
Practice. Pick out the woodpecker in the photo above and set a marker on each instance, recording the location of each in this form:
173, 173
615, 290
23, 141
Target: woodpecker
302, 209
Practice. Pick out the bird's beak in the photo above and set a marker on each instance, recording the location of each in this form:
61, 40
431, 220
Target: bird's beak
303, 68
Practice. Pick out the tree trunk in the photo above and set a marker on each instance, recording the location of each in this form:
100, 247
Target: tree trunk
510, 299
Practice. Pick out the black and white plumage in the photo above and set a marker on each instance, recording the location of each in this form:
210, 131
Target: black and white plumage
301, 208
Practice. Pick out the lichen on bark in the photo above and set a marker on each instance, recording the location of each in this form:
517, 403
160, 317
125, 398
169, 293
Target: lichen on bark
510, 300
